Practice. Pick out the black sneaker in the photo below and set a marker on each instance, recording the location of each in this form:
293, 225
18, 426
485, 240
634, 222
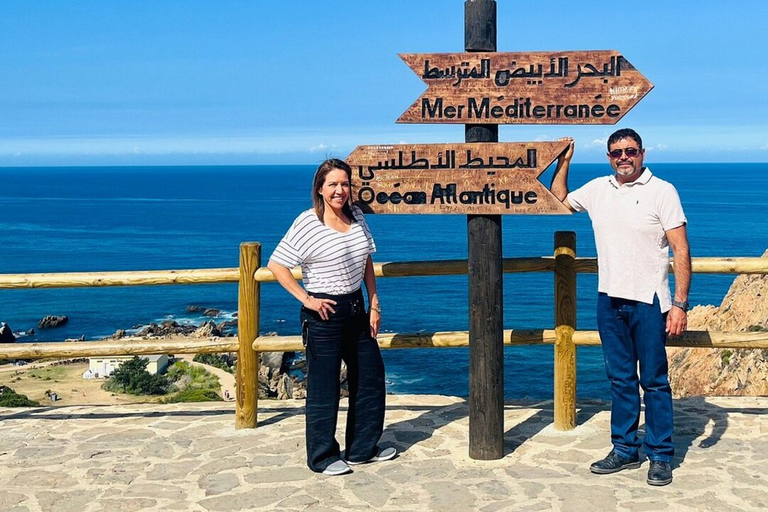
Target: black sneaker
613, 463
660, 473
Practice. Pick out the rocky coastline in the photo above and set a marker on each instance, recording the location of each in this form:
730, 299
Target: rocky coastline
725, 372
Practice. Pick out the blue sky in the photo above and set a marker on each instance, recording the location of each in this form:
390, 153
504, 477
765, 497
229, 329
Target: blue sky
266, 81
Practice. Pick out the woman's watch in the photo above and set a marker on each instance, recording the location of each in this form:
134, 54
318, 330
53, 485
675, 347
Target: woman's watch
682, 305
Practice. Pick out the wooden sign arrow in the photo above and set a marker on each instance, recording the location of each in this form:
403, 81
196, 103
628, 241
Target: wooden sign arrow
581, 87
475, 178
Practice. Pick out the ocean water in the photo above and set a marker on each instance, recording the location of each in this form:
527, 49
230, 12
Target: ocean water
155, 218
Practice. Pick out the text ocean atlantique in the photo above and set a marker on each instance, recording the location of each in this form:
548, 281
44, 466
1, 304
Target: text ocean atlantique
450, 194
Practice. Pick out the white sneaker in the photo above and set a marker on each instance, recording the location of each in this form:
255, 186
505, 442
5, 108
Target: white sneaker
337, 468
385, 454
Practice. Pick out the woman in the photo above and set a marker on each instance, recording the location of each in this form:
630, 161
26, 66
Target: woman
333, 245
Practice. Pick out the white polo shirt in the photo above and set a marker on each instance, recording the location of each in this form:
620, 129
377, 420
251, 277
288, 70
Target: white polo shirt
630, 223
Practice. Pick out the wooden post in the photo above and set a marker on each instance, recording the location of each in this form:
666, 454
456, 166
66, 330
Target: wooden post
565, 325
247, 331
485, 275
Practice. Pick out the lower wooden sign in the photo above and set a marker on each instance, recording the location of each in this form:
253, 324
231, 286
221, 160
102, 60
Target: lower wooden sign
466, 178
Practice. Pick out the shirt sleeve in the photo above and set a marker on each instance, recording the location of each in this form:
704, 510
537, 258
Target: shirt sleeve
580, 199
671, 213
360, 217
286, 253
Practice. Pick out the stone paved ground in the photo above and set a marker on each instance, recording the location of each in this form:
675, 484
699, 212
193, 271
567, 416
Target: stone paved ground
190, 457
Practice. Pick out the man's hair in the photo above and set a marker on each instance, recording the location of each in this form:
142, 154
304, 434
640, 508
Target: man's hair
625, 133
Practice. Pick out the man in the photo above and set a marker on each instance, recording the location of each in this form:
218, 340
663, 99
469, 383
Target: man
636, 217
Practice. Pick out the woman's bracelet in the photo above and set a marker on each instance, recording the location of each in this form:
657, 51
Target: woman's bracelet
376, 309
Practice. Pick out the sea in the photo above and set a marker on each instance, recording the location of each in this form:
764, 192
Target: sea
84, 219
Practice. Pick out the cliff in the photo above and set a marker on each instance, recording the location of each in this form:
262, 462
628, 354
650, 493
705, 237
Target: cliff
725, 372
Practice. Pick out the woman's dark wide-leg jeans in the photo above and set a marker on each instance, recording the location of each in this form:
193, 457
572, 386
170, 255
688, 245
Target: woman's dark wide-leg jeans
346, 335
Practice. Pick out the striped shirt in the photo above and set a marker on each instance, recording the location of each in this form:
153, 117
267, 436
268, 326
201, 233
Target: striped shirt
331, 262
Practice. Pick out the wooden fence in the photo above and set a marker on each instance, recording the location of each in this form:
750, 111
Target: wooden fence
564, 264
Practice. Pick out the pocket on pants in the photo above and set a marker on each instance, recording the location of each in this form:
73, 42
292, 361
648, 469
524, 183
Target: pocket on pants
306, 339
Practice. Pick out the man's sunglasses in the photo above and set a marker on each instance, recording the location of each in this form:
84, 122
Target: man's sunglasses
630, 152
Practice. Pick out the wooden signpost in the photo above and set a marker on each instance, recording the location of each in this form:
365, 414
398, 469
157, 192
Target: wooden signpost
580, 87
480, 178
483, 178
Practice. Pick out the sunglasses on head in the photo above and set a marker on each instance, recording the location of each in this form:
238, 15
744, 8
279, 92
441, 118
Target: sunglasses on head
630, 152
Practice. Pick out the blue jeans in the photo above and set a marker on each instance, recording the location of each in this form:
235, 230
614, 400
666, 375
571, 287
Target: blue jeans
346, 335
633, 332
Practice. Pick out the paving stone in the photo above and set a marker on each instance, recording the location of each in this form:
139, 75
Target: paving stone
190, 457
74, 501
218, 483
127, 504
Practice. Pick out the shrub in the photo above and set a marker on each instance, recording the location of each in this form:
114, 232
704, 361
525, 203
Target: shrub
215, 360
133, 378
9, 398
194, 395
187, 376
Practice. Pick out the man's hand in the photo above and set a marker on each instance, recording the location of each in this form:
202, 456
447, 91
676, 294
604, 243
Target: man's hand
677, 321
567, 154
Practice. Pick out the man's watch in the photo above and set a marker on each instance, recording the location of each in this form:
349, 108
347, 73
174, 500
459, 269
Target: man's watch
682, 305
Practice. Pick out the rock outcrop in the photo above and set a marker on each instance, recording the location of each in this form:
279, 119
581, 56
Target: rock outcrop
725, 372
167, 328
207, 329
6, 334
50, 321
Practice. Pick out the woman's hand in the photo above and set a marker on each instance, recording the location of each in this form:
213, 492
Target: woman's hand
324, 307
375, 316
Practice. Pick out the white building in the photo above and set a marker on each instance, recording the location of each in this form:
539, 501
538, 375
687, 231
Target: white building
104, 366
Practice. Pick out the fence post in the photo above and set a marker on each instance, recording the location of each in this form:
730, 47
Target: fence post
247, 330
565, 325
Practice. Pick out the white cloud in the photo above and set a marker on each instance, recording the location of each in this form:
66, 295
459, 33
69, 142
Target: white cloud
596, 143
319, 147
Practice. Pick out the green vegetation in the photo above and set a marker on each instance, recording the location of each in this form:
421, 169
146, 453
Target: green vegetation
9, 398
194, 384
725, 356
133, 378
184, 375
756, 328
215, 360
193, 395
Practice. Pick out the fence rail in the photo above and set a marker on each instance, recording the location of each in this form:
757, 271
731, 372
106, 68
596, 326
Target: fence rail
389, 269
249, 275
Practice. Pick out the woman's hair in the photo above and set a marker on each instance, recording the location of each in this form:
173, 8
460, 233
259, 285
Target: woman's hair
319, 181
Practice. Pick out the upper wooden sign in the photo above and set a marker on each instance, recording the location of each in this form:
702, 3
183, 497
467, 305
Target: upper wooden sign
583, 87
471, 178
